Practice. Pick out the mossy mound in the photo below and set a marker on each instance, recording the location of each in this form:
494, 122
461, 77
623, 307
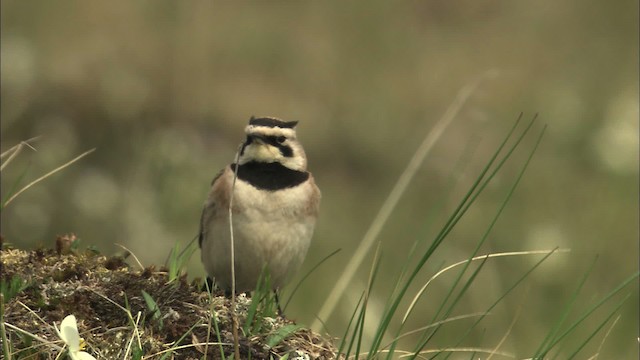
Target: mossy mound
106, 296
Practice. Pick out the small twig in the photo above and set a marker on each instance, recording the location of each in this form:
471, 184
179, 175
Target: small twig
234, 316
132, 254
410, 354
211, 319
33, 313
48, 174
3, 331
34, 336
133, 336
15, 150
181, 347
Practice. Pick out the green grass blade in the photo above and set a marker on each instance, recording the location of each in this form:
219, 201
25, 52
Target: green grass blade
307, 275
396, 193
464, 204
372, 278
282, 334
586, 314
13, 287
216, 328
564, 314
493, 222
507, 292
251, 323
358, 329
428, 334
178, 259
359, 310
602, 324
468, 201
348, 327
6, 351
14, 187
507, 197
437, 208
174, 268
152, 306
263, 304
189, 331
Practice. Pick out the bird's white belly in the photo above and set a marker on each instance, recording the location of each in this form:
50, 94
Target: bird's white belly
272, 228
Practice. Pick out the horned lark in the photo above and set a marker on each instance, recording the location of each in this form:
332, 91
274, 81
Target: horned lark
275, 206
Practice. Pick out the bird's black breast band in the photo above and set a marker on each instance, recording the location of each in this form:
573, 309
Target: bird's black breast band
270, 176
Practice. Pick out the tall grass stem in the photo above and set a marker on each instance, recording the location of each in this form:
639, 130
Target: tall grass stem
394, 196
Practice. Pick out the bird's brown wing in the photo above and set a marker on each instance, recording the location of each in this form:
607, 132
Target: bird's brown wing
209, 204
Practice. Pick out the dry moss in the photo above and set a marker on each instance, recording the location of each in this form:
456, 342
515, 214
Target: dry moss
105, 295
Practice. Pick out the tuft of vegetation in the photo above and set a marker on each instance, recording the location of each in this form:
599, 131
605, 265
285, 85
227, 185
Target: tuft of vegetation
12, 287
554, 345
178, 259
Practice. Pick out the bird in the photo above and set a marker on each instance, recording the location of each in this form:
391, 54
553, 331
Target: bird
275, 206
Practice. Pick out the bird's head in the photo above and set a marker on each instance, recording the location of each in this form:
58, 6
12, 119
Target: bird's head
271, 140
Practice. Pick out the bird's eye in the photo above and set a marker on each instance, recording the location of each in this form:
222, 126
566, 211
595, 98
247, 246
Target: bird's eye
281, 139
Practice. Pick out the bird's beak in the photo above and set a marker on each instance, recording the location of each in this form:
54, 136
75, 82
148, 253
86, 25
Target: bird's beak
264, 151
259, 139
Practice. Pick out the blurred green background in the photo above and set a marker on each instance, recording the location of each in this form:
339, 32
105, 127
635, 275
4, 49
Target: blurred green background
164, 89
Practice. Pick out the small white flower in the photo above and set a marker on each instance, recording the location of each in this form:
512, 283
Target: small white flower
69, 334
